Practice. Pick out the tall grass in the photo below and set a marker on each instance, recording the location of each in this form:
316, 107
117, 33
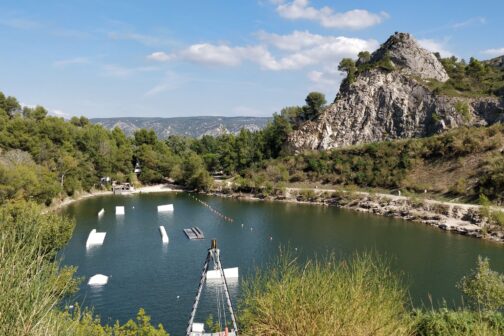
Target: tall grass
31, 284
325, 297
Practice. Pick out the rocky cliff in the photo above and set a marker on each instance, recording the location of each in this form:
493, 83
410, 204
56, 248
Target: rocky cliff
392, 104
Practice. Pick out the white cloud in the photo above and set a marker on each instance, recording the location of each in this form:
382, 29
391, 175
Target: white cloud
299, 50
72, 61
160, 56
478, 20
323, 78
327, 17
58, 113
298, 40
435, 46
494, 52
211, 54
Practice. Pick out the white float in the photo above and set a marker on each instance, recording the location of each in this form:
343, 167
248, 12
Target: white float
98, 280
95, 238
101, 213
198, 327
229, 273
165, 208
119, 210
164, 235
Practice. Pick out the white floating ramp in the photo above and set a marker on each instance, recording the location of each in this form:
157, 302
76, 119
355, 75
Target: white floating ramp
229, 273
101, 213
164, 235
165, 208
98, 280
95, 238
119, 210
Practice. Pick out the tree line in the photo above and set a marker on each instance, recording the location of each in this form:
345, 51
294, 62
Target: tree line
43, 157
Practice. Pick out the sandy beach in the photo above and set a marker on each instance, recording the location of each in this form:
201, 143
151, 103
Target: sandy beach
158, 188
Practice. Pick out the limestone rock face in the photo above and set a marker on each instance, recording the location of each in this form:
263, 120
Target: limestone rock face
385, 105
409, 58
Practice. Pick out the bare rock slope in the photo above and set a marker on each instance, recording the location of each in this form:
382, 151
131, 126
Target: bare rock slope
384, 105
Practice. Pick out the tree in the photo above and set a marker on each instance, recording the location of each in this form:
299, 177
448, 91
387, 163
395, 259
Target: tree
348, 65
364, 56
66, 163
315, 102
484, 287
275, 136
292, 114
9, 104
144, 136
194, 175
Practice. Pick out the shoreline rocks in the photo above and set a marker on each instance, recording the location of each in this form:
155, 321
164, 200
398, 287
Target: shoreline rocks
461, 219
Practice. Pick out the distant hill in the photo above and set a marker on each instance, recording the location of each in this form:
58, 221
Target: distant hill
497, 62
188, 126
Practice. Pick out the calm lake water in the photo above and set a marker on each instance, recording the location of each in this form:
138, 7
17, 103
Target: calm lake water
144, 273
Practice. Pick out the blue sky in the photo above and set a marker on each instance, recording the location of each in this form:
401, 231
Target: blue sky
184, 58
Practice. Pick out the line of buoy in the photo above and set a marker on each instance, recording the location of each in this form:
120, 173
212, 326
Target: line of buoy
217, 213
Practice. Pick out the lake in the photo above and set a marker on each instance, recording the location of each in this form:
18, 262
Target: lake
164, 279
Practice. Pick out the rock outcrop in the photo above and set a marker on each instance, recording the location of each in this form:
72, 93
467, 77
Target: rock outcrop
497, 62
409, 58
385, 105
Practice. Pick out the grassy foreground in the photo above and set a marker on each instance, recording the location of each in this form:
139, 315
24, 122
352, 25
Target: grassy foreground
358, 297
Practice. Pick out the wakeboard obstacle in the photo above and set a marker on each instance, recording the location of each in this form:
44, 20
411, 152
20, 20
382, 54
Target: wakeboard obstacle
197, 329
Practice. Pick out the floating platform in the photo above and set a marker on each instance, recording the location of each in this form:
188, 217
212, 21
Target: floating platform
194, 233
165, 208
101, 213
198, 329
229, 273
164, 235
195, 333
95, 238
119, 210
98, 280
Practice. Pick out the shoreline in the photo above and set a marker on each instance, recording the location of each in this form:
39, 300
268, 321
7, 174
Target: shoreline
460, 218
464, 219
157, 188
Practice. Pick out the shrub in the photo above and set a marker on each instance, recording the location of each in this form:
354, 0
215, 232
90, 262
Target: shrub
445, 322
324, 297
463, 109
484, 287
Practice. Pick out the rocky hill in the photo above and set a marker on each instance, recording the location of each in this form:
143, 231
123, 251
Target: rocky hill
497, 61
187, 126
394, 102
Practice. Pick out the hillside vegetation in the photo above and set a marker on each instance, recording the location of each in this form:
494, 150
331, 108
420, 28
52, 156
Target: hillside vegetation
463, 163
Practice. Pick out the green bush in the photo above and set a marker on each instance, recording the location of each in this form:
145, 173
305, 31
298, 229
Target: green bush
484, 287
445, 322
324, 297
